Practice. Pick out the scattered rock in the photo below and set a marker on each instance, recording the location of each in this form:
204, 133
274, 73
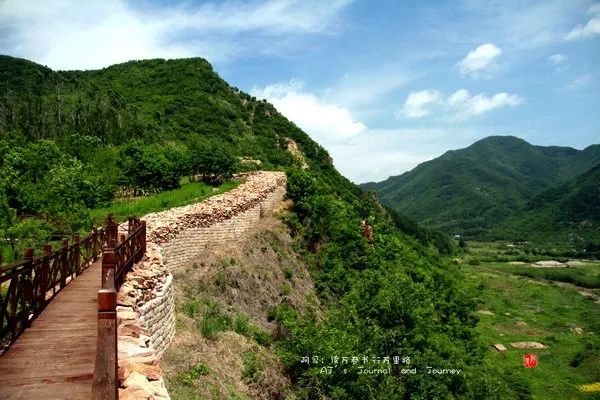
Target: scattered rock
127, 350
151, 372
577, 330
134, 393
548, 264
521, 323
135, 379
528, 345
500, 347
485, 312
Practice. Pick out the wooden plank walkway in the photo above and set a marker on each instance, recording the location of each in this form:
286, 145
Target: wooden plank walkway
54, 358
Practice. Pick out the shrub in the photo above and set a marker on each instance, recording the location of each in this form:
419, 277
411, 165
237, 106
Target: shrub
189, 377
253, 367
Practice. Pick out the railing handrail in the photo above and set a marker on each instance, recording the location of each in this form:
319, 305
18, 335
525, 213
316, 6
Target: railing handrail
17, 264
26, 287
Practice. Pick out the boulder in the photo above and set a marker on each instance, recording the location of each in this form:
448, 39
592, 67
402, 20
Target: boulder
500, 347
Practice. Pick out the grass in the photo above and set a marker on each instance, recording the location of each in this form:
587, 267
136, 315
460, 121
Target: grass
548, 314
188, 193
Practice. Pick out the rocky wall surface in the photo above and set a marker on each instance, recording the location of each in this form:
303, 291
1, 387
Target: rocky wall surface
146, 304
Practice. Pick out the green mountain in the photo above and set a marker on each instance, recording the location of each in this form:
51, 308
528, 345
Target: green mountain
468, 191
568, 213
70, 141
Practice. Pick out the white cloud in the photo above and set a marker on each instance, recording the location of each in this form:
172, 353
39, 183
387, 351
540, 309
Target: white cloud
580, 32
460, 105
557, 58
366, 86
481, 59
466, 106
68, 34
325, 122
594, 9
415, 105
581, 82
590, 29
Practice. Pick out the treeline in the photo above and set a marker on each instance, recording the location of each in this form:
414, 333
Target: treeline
47, 189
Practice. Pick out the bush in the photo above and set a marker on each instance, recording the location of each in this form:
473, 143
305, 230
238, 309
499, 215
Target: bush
253, 367
189, 377
240, 325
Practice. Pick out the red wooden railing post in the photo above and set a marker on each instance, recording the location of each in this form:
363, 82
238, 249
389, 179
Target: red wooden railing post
108, 265
44, 274
143, 236
106, 385
64, 264
77, 254
27, 286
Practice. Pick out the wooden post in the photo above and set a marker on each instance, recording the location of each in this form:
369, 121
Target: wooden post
108, 266
94, 244
44, 274
143, 223
27, 286
77, 254
130, 226
121, 237
64, 263
106, 385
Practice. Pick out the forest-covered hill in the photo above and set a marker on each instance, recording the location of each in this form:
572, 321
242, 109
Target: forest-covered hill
70, 141
568, 213
468, 191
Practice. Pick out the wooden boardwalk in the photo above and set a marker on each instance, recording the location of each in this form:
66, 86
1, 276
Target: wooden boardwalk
54, 358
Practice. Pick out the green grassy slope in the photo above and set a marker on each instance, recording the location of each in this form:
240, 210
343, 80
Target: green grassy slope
469, 190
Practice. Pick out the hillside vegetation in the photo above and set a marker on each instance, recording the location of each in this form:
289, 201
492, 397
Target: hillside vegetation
72, 141
468, 191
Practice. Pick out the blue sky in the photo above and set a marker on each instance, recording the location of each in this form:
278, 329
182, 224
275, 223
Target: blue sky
383, 85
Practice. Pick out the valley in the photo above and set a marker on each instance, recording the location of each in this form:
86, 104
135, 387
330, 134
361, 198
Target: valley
521, 302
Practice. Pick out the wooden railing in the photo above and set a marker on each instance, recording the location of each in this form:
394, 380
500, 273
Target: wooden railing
117, 260
28, 286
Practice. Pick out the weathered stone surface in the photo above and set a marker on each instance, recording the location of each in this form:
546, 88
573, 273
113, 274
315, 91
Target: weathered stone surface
135, 379
131, 350
146, 313
528, 345
485, 312
134, 393
500, 347
151, 372
549, 264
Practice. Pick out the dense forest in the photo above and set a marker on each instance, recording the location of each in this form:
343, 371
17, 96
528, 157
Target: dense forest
71, 141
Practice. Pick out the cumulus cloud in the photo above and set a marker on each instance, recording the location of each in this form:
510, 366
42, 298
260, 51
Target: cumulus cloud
481, 59
415, 105
557, 58
466, 106
325, 122
70, 34
590, 29
459, 106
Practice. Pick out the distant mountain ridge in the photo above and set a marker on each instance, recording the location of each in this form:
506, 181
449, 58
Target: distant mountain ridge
468, 191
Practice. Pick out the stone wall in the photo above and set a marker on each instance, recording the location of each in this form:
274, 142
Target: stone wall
177, 236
